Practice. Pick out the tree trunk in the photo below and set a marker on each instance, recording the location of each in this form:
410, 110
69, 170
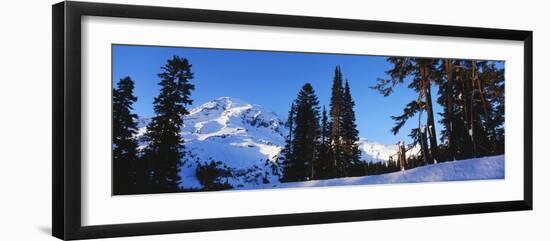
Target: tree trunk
449, 69
466, 103
421, 131
485, 109
429, 110
313, 159
481, 94
402, 156
423, 145
473, 115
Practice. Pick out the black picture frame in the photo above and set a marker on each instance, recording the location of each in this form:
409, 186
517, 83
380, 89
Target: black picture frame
66, 129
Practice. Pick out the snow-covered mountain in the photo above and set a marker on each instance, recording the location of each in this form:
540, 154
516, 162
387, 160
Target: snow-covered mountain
372, 151
227, 128
246, 138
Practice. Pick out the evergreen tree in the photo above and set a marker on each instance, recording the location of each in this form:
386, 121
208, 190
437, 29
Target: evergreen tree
336, 125
447, 100
323, 167
491, 84
343, 133
288, 158
126, 170
165, 150
427, 73
423, 73
350, 135
301, 163
484, 119
456, 143
473, 92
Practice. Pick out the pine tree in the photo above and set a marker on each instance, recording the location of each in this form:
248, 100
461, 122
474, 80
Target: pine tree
343, 133
426, 70
126, 170
423, 73
288, 158
448, 98
456, 143
474, 111
454, 98
447, 94
471, 93
301, 164
482, 125
165, 150
336, 125
350, 134
491, 81
323, 167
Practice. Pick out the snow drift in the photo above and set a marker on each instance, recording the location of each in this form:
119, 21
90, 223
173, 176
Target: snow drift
469, 169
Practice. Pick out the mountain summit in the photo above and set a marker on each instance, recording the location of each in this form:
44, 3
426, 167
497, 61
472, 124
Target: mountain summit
234, 132
244, 137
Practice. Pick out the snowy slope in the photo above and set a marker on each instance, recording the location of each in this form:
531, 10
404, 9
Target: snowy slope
470, 169
243, 136
227, 128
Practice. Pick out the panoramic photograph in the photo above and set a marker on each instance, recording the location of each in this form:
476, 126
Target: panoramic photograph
187, 119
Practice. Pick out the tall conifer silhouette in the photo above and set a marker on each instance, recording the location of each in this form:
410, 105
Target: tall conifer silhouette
336, 126
126, 169
301, 164
350, 133
323, 167
164, 152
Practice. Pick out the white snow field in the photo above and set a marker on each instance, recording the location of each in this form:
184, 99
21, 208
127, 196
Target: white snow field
470, 169
248, 138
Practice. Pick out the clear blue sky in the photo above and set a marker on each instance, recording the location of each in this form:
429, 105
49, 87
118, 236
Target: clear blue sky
272, 80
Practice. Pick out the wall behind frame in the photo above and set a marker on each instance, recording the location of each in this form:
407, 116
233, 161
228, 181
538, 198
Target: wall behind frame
25, 119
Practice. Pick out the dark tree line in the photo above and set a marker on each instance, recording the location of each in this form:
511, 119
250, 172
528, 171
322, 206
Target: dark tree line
471, 93
321, 145
155, 169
